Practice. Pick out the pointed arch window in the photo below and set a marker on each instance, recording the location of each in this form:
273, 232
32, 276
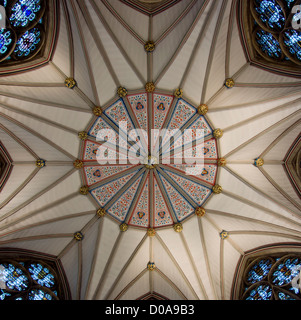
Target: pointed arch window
24, 34
29, 37
31, 276
271, 34
272, 277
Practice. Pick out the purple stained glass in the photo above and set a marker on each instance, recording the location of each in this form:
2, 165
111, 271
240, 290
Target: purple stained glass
28, 43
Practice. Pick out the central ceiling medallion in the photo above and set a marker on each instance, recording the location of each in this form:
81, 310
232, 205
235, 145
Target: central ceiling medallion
150, 160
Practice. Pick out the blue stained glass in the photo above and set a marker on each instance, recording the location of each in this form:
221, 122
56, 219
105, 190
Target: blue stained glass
290, 3
262, 292
39, 295
286, 271
283, 296
27, 44
271, 13
41, 275
28, 280
292, 39
259, 271
3, 3
3, 295
24, 11
268, 44
15, 279
5, 40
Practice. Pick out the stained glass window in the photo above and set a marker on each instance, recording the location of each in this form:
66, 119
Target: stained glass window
290, 3
274, 32
5, 40
260, 292
259, 271
24, 34
268, 44
24, 12
7, 43
28, 280
28, 43
272, 278
292, 40
270, 13
42, 275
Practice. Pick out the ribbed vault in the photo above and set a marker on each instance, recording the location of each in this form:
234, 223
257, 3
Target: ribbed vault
194, 46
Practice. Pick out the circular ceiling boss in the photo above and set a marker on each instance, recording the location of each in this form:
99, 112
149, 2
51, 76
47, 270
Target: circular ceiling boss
150, 160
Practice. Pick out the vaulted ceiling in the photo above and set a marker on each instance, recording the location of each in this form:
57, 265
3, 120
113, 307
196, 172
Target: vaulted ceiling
101, 44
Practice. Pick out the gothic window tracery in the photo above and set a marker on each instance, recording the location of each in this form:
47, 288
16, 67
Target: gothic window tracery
271, 32
23, 277
272, 278
274, 34
24, 34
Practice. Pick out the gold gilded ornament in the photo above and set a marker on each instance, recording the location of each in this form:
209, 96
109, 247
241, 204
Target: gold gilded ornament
224, 235
149, 46
222, 162
203, 109
150, 87
70, 83
218, 133
122, 92
178, 227
97, 111
258, 162
151, 232
123, 227
83, 135
151, 162
200, 212
178, 93
84, 190
217, 189
101, 212
229, 83
78, 164
151, 266
78, 236
40, 163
